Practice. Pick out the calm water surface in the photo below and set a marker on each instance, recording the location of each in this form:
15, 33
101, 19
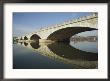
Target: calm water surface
55, 55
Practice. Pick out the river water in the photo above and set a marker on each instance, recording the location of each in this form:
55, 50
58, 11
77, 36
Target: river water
73, 55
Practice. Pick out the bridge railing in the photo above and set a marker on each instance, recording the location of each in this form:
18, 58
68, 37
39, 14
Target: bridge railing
84, 18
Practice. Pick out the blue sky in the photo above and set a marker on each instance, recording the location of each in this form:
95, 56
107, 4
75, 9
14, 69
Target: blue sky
26, 22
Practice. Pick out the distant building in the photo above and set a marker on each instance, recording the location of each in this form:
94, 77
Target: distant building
82, 38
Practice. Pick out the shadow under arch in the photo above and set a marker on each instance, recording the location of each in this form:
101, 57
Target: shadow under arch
65, 33
66, 51
35, 37
34, 45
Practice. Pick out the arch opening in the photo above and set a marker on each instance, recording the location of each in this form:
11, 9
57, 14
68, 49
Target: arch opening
64, 35
35, 38
90, 36
25, 38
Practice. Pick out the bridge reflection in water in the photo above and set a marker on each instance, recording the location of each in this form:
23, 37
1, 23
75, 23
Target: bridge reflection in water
64, 53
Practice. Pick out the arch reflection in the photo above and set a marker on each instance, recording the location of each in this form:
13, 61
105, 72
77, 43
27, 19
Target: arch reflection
25, 43
63, 52
35, 45
66, 51
21, 43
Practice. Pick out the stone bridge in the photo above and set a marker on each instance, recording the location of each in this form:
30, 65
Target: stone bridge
63, 31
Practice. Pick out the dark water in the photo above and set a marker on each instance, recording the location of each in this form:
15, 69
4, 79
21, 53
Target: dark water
55, 55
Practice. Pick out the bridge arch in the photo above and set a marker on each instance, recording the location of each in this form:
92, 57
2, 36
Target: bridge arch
35, 38
66, 33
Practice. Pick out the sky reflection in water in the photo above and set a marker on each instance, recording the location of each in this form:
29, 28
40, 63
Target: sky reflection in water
54, 56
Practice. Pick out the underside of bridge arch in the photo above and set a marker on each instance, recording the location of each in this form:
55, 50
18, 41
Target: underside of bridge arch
25, 38
63, 35
35, 38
